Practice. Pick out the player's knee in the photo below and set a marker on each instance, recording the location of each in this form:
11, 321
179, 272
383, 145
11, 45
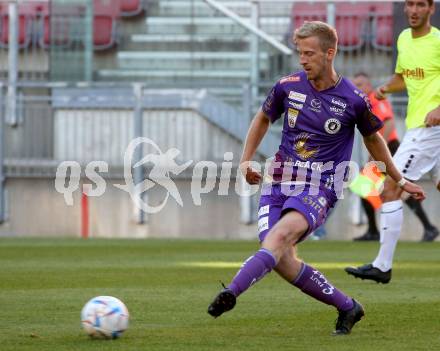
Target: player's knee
280, 236
285, 233
289, 233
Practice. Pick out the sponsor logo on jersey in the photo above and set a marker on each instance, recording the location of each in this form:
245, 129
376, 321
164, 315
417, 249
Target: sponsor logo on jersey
269, 101
293, 95
309, 200
417, 74
339, 103
296, 105
315, 105
365, 97
314, 166
263, 211
290, 79
337, 110
332, 126
323, 201
292, 116
301, 148
263, 224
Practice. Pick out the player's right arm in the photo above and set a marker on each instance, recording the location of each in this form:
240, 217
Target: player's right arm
394, 85
258, 128
270, 111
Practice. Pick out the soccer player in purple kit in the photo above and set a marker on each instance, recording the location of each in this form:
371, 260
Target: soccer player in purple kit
321, 110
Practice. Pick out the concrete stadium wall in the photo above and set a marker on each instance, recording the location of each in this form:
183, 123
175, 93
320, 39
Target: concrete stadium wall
36, 209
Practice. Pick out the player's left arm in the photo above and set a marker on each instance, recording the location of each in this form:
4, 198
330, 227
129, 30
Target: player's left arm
379, 151
433, 118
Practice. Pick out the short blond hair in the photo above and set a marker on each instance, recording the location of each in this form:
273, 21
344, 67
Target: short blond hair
328, 38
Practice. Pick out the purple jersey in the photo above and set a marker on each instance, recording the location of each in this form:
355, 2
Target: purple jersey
318, 130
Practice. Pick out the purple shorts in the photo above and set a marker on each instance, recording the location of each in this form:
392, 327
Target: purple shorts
314, 207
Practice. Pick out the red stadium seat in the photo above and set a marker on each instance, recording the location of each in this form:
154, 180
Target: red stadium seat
59, 20
106, 13
351, 24
131, 8
382, 26
351, 20
304, 11
44, 35
26, 16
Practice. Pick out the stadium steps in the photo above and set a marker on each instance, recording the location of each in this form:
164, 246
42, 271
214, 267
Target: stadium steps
199, 8
189, 43
165, 77
212, 25
174, 60
198, 42
181, 42
176, 8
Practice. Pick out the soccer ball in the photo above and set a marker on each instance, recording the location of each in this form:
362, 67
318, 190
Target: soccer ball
104, 317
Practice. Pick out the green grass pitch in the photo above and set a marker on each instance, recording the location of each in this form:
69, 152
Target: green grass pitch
167, 286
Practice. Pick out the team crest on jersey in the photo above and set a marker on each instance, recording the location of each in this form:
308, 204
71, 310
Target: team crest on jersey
292, 116
332, 126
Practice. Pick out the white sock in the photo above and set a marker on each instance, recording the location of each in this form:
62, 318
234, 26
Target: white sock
391, 219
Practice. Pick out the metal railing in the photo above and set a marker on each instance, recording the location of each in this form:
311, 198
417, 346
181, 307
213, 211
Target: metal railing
96, 122
204, 40
251, 27
85, 122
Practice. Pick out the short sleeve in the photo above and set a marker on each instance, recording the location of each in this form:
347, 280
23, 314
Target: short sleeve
273, 106
367, 122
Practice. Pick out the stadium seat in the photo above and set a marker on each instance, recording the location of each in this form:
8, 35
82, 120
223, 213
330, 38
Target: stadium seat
351, 24
131, 8
304, 11
106, 13
44, 26
382, 26
351, 20
62, 19
26, 16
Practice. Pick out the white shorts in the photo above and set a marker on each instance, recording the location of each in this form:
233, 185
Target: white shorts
419, 153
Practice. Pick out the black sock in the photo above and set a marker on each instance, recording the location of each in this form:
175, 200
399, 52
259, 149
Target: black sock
416, 207
371, 215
